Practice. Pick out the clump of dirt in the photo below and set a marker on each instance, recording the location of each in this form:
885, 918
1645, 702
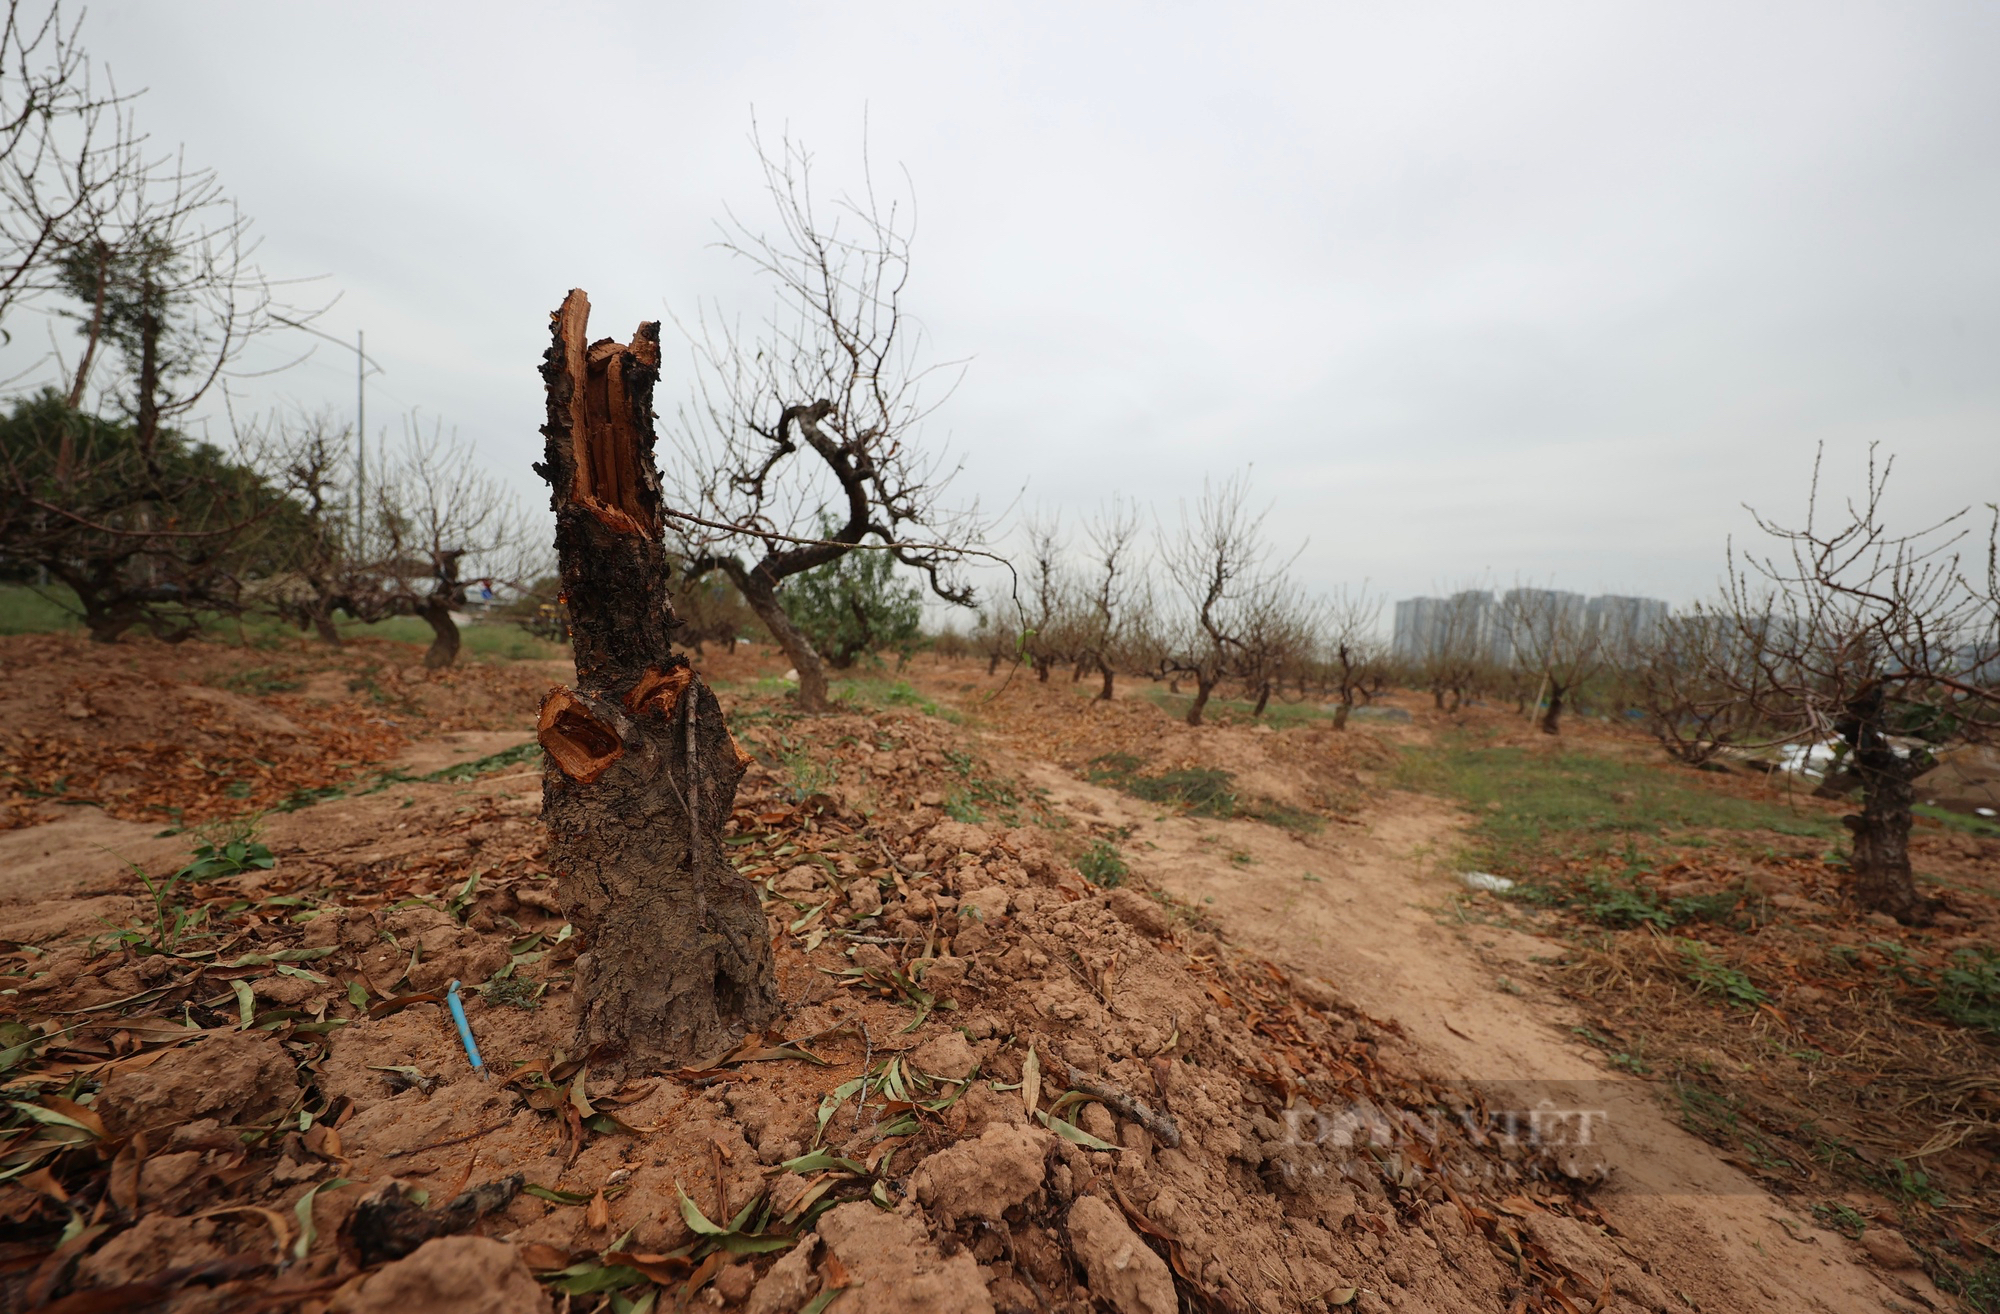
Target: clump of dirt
998, 1086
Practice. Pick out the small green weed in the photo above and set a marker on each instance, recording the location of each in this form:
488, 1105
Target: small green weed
806, 771
1912, 1184
1102, 866
1712, 977
1969, 990
174, 919
980, 794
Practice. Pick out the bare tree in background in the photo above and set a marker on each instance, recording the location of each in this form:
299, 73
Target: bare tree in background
1688, 679
307, 457
1280, 634
1455, 647
1216, 563
166, 293
1553, 636
1045, 610
995, 639
1352, 650
68, 148
440, 523
816, 418
1114, 585
1885, 644
434, 524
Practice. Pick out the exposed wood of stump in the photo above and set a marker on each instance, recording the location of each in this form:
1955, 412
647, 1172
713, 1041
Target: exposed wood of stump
641, 773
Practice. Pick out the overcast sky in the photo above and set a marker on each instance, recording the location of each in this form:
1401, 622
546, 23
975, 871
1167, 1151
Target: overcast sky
1533, 291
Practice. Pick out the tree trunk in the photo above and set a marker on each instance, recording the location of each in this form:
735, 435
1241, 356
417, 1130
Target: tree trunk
641, 773
1552, 717
1879, 870
1345, 710
992, 664
1104, 669
322, 623
1042, 666
1202, 689
1263, 699
436, 613
1880, 867
763, 600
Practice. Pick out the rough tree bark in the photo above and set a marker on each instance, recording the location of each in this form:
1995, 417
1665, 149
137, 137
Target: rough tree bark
762, 595
435, 611
1879, 872
641, 774
1551, 722
1203, 687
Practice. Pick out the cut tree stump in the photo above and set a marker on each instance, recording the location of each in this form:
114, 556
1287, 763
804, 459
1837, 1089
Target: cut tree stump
641, 773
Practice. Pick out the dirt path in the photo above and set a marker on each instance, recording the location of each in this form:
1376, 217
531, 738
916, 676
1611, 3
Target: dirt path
1367, 909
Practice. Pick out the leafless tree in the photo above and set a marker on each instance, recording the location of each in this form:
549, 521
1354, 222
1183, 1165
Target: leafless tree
306, 455
1456, 646
1114, 585
440, 523
434, 524
166, 293
1216, 562
1352, 650
1687, 680
1552, 635
816, 418
1046, 609
68, 147
1886, 645
1280, 633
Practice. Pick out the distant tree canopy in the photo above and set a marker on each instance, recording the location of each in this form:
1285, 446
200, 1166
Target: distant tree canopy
856, 605
153, 537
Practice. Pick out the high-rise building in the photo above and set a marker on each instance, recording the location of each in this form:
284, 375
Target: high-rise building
1625, 626
1474, 622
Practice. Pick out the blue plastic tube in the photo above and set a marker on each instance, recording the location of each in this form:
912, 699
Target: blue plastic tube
457, 1007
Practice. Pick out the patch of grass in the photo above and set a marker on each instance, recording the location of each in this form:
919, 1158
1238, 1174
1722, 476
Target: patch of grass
1197, 791
1283, 816
1102, 866
1968, 992
495, 642
518, 755
25, 610
1632, 1061
865, 691
1840, 1218
1533, 806
1958, 820
806, 772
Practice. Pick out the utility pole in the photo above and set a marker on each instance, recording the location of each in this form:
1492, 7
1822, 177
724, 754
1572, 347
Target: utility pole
360, 440
364, 366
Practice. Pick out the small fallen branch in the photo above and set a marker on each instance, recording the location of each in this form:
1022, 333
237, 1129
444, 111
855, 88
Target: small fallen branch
1162, 1126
